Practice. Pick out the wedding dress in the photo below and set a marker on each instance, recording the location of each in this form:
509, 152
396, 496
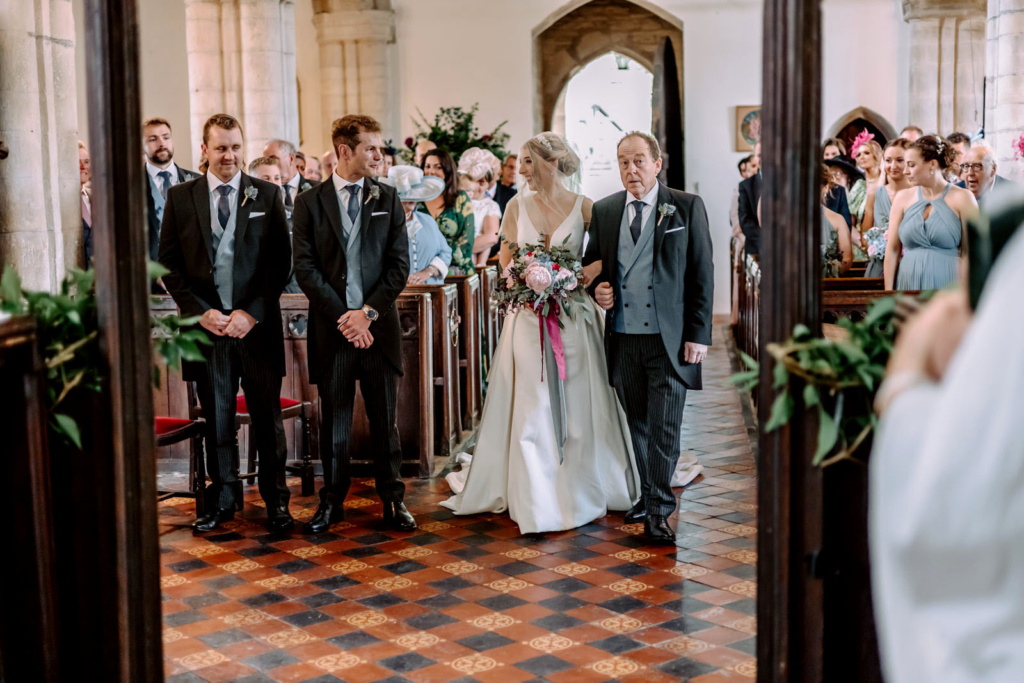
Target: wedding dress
516, 465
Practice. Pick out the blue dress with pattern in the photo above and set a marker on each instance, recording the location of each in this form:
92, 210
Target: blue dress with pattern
932, 259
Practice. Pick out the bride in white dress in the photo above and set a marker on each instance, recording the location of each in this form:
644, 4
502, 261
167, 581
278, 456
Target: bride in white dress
518, 465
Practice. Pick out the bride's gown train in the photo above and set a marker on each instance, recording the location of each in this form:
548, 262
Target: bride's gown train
516, 466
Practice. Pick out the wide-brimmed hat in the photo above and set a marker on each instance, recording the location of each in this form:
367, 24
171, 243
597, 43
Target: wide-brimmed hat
847, 166
412, 185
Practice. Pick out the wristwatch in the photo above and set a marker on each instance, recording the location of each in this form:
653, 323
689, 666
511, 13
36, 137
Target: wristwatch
370, 314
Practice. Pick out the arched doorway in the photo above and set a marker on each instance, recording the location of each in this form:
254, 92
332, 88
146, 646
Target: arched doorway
849, 126
582, 31
605, 99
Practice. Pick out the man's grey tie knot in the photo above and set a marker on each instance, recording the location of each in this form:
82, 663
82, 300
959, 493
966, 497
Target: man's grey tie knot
165, 182
353, 202
224, 206
637, 222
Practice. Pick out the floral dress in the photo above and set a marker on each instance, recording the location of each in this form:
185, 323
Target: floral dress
858, 196
458, 226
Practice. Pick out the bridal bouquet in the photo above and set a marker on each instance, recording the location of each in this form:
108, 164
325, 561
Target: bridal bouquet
877, 239
545, 281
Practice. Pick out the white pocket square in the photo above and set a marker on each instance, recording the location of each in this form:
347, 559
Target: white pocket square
675, 230
378, 213
257, 214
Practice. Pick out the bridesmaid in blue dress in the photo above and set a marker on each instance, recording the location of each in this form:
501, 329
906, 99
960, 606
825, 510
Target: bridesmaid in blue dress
894, 164
929, 219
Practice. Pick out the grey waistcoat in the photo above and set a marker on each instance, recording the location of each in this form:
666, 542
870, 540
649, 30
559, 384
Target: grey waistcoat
635, 311
353, 254
224, 250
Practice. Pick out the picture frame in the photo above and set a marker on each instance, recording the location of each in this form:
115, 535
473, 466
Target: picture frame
748, 127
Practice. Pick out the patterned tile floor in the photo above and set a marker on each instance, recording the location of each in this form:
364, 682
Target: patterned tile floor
469, 599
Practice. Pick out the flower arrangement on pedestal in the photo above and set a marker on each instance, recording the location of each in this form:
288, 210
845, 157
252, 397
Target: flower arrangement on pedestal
454, 130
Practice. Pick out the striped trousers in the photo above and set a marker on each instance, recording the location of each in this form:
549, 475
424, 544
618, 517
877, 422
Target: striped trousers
378, 383
228, 362
653, 397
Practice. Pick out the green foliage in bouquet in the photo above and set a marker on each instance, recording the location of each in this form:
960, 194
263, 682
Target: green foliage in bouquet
837, 378
519, 296
454, 130
67, 324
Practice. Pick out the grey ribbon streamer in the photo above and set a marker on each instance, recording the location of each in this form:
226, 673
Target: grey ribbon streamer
556, 392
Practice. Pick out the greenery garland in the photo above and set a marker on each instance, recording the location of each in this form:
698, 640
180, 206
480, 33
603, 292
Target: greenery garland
67, 324
454, 130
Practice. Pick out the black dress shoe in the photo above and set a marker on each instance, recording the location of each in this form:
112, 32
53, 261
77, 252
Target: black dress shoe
637, 513
325, 516
398, 517
212, 520
280, 520
657, 530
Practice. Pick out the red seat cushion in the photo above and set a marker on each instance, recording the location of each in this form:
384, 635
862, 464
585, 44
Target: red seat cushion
166, 425
243, 408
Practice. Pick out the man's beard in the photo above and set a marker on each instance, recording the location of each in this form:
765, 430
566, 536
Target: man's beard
163, 152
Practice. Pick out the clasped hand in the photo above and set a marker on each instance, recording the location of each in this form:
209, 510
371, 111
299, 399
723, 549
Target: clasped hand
237, 324
356, 328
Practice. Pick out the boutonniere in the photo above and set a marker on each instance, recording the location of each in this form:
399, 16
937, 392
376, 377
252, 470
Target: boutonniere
665, 210
250, 193
374, 194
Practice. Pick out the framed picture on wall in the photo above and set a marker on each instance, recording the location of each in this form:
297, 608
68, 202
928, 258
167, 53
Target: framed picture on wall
748, 127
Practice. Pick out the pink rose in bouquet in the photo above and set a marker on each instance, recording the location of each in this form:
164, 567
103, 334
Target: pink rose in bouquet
568, 278
537, 277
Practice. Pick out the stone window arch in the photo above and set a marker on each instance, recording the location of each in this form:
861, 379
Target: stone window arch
853, 122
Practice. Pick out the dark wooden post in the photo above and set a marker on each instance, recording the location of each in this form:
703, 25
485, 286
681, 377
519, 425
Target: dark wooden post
790, 609
125, 570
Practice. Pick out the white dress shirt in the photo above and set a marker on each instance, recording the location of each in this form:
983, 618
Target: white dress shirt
650, 200
343, 196
155, 171
292, 186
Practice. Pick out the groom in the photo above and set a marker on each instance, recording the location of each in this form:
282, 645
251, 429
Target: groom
657, 284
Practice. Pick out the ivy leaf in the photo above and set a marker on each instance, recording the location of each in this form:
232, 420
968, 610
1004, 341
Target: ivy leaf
828, 434
155, 270
782, 411
749, 362
811, 397
801, 332
67, 426
780, 376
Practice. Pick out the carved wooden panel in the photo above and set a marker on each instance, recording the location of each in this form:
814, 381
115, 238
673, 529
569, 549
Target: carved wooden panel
470, 349
491, 317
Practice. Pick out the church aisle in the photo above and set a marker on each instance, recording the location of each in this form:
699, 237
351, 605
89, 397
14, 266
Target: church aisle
468, 599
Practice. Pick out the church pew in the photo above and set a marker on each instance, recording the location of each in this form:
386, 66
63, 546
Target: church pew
491, 317
444, 303
836, 305
470, 348
868, 284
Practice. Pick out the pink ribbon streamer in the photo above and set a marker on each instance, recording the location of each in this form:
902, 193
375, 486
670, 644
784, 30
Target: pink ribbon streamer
555, 335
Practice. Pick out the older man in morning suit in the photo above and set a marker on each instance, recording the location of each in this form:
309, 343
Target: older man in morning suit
224, 240
352, 261
657, 284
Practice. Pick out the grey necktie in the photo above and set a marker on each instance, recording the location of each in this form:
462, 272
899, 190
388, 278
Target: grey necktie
288, 201
224, 206
353, 202
638, 219
165, 184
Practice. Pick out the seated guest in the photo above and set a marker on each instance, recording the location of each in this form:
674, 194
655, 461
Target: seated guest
947, 489
506, 188
748, 207
266, 168
879, 202
979, 173
868, 156
388, 156
429, 253
911, 133
960, 143
328, 162
312, 173
452, 210
929, 219
835, 232
845, 175
832, 148
161, 175
475, 176
300, 163
85, 192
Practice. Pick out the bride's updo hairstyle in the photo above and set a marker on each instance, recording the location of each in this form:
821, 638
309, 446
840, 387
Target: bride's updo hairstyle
934, 148
553, 149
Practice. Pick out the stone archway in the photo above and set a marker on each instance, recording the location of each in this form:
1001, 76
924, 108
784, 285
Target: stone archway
863, 118
583, 30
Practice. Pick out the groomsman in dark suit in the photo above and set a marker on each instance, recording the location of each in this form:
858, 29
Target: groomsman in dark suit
750, 195
161, 175
657, 284
352, 261
224, 240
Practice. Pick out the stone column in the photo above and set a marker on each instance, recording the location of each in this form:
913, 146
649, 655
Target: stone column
354, 58
947, 64
241, 61
40, 219
1004, 116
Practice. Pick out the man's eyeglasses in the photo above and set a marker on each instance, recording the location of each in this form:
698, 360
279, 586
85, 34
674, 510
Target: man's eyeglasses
977, 168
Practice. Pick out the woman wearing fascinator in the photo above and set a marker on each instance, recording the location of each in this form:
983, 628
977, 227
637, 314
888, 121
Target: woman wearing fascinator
429, 252
554, 447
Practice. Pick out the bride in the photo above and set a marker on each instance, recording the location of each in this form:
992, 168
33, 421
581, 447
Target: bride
519, 464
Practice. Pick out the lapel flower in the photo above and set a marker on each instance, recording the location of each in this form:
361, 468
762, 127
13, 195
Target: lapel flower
374, 194
665, 210
250, 193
